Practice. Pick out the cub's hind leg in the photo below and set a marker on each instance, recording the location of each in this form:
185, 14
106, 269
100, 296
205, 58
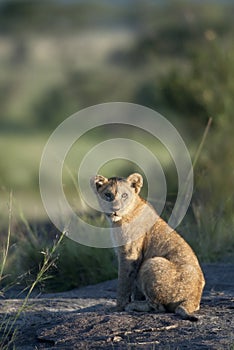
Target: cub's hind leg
147, 285
152, 281
156, 280
166, 286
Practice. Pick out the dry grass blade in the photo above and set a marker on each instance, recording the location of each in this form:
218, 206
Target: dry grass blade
204, 136
5, 251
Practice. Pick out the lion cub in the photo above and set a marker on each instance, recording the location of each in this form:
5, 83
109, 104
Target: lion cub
157, 269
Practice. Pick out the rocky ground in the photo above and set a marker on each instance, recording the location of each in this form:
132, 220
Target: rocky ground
84, 319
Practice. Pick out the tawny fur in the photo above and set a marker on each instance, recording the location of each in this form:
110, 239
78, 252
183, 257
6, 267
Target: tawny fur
157, 270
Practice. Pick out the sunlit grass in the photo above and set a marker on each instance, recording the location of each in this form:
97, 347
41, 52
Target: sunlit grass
8, 325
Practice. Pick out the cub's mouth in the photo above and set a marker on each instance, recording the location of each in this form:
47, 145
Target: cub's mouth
114, 216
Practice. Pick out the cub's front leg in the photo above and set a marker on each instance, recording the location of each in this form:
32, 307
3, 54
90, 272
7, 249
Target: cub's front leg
127, 274
126, 277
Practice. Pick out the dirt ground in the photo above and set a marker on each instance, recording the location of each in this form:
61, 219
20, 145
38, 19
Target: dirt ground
84, 319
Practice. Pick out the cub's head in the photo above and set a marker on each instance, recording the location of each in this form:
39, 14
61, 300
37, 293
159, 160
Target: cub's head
117, 196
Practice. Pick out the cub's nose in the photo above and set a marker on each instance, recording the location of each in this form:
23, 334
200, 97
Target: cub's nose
109, 197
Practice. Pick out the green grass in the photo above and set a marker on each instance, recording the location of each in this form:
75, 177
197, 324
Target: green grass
23, 253
210, 236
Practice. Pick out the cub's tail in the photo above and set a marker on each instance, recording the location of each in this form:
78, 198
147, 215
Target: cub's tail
185, 315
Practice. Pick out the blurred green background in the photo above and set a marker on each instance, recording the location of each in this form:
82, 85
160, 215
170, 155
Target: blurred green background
57, 57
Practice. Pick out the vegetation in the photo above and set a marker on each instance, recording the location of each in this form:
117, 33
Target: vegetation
57, 58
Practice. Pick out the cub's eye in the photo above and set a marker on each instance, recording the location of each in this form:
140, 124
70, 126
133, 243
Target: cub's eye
124, 195
109, 197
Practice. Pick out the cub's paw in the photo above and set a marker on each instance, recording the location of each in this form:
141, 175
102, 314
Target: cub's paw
129, 307
119, 307
141, 306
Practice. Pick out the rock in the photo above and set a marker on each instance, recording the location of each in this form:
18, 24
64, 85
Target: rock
85, 319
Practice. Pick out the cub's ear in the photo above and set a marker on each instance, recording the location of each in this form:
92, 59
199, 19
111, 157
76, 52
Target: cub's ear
136, 181
97, 181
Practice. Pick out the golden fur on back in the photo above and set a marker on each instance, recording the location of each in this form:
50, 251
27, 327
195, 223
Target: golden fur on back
157, 269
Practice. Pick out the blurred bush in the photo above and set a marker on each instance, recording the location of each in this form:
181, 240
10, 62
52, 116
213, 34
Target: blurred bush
207, 88
74, 265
